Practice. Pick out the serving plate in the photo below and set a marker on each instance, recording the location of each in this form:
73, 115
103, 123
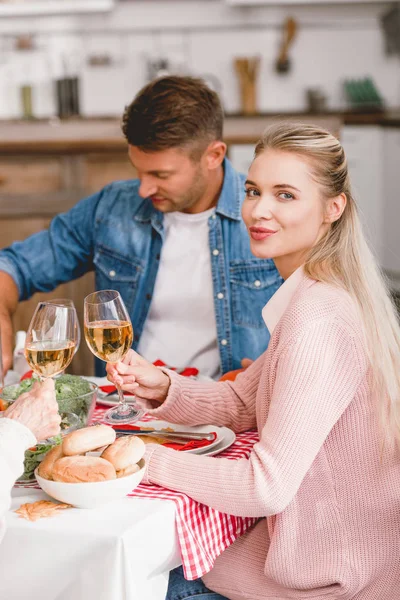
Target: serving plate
225, 436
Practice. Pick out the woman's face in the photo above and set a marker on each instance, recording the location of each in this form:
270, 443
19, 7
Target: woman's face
283, 209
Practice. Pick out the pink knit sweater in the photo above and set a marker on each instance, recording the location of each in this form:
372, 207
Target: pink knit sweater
327, 494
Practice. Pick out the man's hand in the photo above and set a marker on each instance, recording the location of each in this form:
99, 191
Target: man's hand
8, 306
135, 374
6, 340
37, 410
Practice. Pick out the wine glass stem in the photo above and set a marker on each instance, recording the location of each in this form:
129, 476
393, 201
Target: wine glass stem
120, 395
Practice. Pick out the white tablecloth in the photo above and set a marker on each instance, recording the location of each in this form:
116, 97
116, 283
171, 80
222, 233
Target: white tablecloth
122, 551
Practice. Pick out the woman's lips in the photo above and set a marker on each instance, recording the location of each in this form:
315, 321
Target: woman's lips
260, 233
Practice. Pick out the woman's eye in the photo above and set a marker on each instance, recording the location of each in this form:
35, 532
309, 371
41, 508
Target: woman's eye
251, 192
286, 196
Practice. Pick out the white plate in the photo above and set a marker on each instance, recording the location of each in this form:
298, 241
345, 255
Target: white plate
228, 438
222, 433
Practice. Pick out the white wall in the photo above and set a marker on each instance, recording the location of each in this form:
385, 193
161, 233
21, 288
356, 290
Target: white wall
200, 38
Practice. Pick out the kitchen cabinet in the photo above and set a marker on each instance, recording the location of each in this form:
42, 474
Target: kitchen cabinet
33, 189
241, 156
12, 229
391, 203
99, 169
303, 2
37, 184
363, 146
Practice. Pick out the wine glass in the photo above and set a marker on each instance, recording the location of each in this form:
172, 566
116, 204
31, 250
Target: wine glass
50, 344
68, 302
109, 335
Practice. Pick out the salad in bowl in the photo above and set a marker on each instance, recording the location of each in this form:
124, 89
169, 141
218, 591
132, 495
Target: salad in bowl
76, 398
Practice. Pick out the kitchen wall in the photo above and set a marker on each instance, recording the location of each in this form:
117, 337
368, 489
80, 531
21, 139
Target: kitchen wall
201, 38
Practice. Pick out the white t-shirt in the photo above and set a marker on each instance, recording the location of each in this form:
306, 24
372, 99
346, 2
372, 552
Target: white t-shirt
180, 328
15, 438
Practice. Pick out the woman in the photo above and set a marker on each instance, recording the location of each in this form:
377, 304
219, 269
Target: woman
325, 477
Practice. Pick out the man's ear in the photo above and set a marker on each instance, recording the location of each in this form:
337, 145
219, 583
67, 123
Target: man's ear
335, 208
215, 154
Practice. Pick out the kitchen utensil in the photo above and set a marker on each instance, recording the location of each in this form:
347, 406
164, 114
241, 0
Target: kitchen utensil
186, 435
247, 72
283, 64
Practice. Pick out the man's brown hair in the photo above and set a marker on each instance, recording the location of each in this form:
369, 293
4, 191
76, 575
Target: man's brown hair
173, 112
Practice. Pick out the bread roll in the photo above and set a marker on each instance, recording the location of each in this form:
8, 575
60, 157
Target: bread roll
88, 438
46, 466
125, 451
82, 469
128, 471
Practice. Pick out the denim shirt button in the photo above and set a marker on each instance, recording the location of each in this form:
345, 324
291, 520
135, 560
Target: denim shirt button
112, 273
215, 252
257, 283
224, 342
220, 296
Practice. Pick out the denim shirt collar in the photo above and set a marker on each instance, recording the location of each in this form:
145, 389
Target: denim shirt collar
229, 202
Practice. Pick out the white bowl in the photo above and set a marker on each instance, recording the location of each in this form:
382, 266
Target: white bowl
90, 495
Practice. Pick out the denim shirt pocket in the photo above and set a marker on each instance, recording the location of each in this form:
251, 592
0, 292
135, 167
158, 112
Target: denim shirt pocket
252, 285
117, 272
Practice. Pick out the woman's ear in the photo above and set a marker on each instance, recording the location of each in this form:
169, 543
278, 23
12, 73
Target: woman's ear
335, 208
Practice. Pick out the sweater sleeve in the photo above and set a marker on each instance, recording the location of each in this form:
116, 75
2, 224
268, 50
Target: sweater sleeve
317, 376
15, 438
231, 404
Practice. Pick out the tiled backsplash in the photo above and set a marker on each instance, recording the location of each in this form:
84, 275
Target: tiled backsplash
333, 43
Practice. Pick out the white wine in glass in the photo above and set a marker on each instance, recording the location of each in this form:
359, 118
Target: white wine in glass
50, 344
109, 335
68, 302
51, 339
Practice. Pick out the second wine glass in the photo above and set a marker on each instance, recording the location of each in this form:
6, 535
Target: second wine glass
109, 335
69, 302
50, 345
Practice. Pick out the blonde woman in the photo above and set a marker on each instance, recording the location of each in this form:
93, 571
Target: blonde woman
324, 479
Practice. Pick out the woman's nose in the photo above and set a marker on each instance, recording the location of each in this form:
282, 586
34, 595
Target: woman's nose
262, 210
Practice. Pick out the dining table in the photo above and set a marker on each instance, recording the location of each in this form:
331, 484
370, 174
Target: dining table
123, 550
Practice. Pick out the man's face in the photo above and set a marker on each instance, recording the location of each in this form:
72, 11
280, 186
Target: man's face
171, 179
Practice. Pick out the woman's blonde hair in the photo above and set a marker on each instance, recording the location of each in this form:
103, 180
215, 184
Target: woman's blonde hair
343, 258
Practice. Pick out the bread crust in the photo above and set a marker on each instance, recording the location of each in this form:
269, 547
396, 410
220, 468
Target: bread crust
82, 469
125, 451
128, 471
87, 439
45, 469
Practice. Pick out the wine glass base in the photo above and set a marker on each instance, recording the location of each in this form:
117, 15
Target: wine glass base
122, 414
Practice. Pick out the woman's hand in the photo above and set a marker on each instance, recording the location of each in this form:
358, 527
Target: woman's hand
37, 410
135, 374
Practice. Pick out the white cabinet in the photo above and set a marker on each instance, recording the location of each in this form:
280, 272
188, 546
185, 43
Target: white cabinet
391, 200
363, 147
241, 156
304, 2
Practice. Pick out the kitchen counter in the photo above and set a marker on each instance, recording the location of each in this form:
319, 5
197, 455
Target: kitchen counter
104, 135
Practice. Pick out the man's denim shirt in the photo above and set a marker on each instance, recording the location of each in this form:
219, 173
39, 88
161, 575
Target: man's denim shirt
119, 235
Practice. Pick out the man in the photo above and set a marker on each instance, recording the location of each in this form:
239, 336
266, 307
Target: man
172, 242
31, 418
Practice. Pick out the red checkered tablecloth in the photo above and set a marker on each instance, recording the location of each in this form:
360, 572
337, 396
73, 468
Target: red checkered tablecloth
203, 532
